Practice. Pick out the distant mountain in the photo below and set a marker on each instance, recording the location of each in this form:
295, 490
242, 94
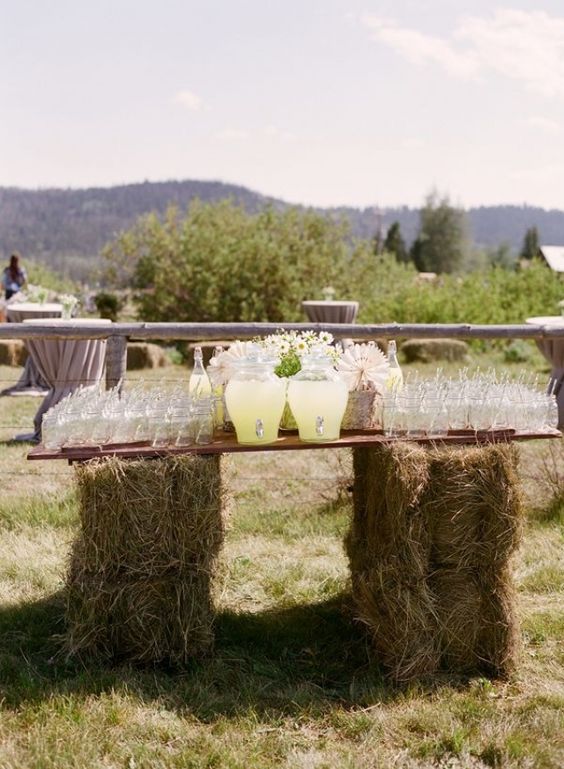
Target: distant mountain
68, 228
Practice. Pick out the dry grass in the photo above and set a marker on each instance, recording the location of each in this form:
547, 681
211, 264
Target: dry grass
290, 683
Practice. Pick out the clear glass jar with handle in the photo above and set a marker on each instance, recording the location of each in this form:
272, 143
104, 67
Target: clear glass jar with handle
255, 399
318, 398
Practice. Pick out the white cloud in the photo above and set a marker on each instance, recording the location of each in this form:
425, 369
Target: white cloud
545, 124
188, 99
527, 46
231, 135
272, 132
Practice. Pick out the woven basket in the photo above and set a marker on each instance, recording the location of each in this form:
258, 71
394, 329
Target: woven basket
361, 412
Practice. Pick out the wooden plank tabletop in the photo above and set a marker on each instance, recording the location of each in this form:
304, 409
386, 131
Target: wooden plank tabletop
226, 443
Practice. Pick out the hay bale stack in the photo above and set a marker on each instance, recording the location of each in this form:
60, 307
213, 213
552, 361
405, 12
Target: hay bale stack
142, 567
12, 352
389, 549
429, 548
429, 350
142, 355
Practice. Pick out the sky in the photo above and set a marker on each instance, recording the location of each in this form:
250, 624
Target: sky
320, 102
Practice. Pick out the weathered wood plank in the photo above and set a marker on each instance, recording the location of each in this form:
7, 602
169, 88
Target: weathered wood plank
226, 443
230, 331
116, 361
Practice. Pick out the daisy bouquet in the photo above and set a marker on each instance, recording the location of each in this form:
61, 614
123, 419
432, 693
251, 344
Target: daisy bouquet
288, 347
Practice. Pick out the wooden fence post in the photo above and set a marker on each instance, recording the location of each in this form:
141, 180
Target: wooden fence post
116, 361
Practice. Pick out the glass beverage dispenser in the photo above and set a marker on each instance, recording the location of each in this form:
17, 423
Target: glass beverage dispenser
318, 398
255, 399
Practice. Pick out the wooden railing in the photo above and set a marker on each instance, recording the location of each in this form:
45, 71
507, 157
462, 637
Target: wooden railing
117, 334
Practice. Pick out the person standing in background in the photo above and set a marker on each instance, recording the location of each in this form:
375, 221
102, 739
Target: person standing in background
13, 277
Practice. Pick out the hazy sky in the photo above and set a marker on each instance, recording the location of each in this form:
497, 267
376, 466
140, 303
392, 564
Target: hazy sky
327, 102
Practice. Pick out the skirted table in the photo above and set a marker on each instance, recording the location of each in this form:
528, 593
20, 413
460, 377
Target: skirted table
553, 351
434, 526
328, 311
30, 382
66, 364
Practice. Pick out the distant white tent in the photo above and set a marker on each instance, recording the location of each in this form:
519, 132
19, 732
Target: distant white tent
554, 256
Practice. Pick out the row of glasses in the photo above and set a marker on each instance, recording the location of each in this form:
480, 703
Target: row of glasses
157, 416
484, 401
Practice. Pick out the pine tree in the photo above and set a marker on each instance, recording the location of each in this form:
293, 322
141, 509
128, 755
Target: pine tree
530, 247
442, 244
395, 243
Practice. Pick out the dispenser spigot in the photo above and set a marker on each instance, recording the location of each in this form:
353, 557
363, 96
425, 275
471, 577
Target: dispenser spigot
319, 425
259, 428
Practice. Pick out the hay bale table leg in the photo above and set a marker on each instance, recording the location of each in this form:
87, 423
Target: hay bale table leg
429, 550
140, 577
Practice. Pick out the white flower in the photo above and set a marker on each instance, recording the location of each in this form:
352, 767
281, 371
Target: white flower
301, 346
364, 367
325, 337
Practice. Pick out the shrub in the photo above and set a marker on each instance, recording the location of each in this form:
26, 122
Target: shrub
108, 305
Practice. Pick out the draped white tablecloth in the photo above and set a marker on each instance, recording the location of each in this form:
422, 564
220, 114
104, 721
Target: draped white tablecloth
65, 364
553, 351
330, 311
30, 382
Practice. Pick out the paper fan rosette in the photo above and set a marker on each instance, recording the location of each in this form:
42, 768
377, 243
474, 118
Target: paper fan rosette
220, 366
364, 367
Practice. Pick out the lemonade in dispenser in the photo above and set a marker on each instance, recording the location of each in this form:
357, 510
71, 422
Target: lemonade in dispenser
255, 399
318, 398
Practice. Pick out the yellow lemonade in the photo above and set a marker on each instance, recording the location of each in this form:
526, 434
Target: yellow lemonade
318, 407
199, 385
255, 408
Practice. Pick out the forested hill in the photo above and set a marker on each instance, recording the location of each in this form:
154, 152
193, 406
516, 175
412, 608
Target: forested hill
63, 226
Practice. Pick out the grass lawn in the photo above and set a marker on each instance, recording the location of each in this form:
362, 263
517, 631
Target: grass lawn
291, 683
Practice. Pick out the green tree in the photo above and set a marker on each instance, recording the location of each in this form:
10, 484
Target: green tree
219, 263
442, 244
530, 247
395, 244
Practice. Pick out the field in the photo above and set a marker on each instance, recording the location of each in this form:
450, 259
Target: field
291, 683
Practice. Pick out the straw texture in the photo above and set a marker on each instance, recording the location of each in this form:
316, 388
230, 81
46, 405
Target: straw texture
142, 566
429, 549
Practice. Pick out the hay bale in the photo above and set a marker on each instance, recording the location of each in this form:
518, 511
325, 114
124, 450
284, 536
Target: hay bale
12, 352
429, 350
145, 355
429, 548
473, 505
142, 566
388, 547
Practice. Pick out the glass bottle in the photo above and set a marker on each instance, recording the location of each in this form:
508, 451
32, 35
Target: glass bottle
217, 389
255, 399
395, 375
199, 384
318, 398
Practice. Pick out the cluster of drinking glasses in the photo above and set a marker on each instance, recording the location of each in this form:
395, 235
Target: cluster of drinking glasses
480, 402
90, 417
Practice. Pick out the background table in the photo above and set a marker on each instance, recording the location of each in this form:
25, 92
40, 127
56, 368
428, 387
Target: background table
553, 351
65, 364
326, 311
331, 311
31, 381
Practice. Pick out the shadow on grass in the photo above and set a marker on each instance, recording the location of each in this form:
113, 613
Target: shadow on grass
305, 658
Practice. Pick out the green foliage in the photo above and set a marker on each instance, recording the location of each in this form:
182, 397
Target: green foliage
442, 244
39, 274
530, 247
395, 244
517, 351
494, 295
108, 305
219, 263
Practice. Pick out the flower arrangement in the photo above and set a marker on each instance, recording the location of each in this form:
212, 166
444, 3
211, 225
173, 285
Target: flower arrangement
69, 302
289, 346
364, 367
37, 294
